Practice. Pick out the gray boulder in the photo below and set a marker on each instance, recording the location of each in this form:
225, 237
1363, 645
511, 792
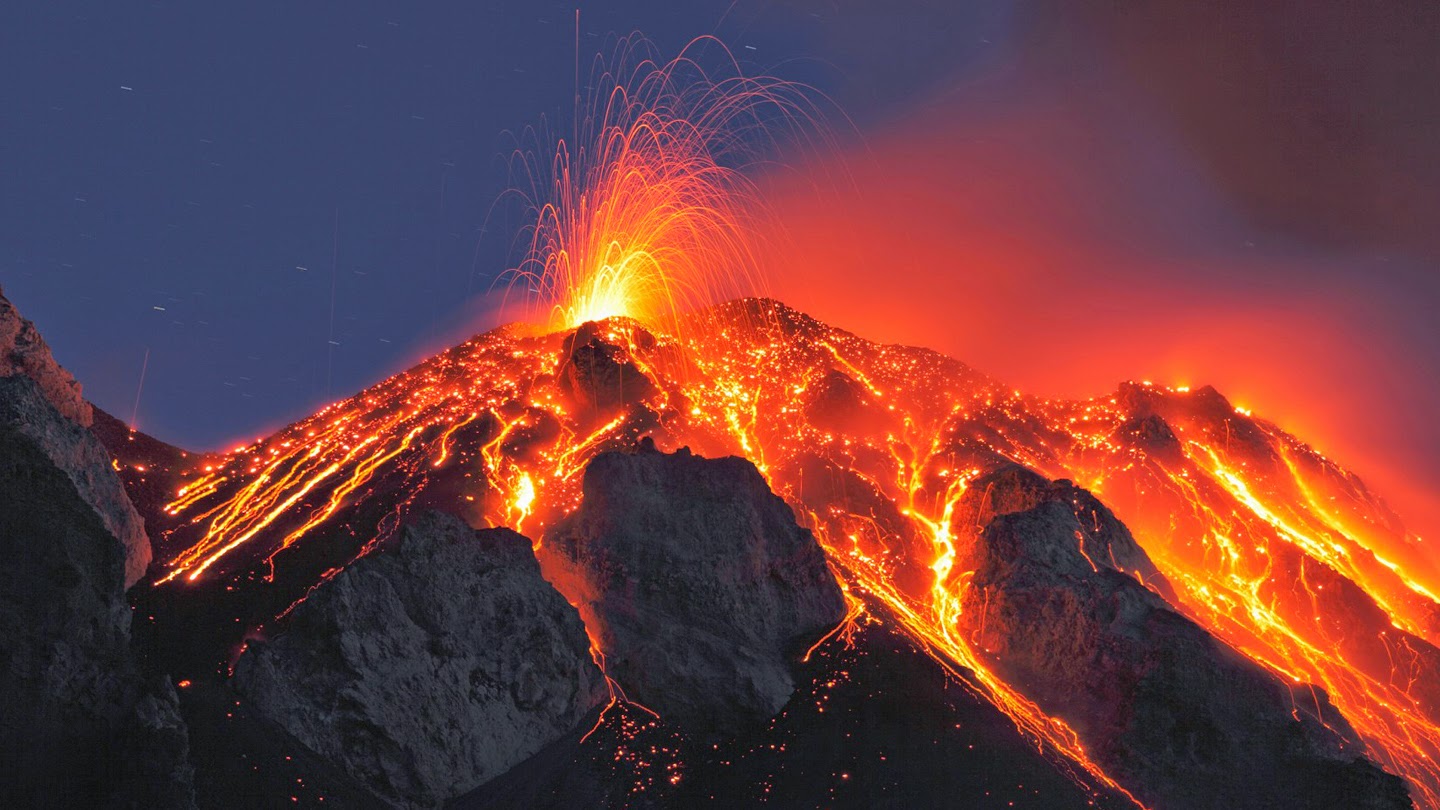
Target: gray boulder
428, 667
696, 582
1176, 716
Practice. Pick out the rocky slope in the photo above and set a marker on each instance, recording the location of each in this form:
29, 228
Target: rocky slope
696, 582
429, 667
597, 377
145, 464
875, 724
79, 724
1175, 715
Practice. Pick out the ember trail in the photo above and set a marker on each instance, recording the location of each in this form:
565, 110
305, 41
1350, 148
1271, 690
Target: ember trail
642, 237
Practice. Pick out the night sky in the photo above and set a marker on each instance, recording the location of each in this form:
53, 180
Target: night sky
285, 202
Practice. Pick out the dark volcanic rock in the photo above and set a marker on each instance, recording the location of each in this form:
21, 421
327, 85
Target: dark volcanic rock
79, 726
696, 582
599, 376
244, 760
24, 353
26, 406
429, 667
1179, 718
1103, 541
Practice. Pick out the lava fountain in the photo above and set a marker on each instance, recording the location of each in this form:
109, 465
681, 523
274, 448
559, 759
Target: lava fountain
650, 211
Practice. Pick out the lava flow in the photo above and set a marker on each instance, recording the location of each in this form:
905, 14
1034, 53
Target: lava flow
1264, 542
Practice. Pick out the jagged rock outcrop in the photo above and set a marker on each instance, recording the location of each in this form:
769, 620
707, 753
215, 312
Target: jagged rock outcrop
79, 725
696, 581
1176, 716
84, 460
430, 666
24, 353
599, 376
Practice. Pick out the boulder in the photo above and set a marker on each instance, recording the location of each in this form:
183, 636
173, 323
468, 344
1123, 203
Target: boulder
1179, 718
430, 666
696, 582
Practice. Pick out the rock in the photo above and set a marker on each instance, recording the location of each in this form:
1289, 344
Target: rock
696, 582
599, 376
430, 666
24, 353
156, 751
1176, 716
244, 760
78, 724
84, 460
24, 356
1009, 488
839, 403
1152, 436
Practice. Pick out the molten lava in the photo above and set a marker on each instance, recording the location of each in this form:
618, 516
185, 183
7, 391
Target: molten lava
1273, 548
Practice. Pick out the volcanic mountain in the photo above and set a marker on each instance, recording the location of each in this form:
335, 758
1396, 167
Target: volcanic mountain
771, 561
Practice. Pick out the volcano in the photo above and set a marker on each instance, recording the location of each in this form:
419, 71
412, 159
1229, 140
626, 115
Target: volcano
752, 558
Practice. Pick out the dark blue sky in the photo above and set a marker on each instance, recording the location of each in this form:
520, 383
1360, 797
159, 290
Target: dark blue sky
168, 169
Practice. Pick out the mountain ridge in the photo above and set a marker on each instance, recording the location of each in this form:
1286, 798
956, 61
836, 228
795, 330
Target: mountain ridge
1271, 548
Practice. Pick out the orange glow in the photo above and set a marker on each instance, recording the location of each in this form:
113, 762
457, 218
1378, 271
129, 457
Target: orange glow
1232, 538
524, 500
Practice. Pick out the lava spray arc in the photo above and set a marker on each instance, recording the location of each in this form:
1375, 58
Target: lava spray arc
652, 210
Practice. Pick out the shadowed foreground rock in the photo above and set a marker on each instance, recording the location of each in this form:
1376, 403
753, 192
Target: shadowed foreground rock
697, 583
430, 666
1173, 714
79, 726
